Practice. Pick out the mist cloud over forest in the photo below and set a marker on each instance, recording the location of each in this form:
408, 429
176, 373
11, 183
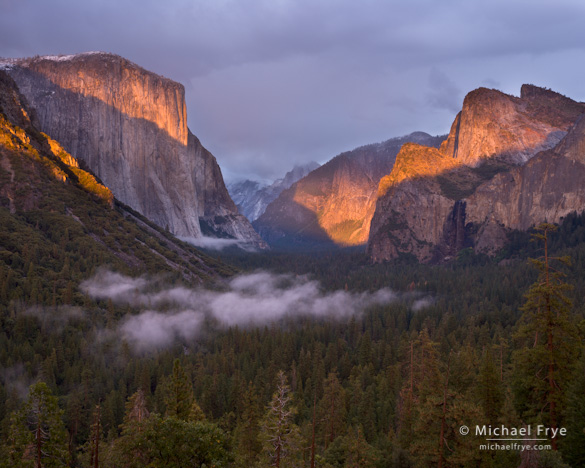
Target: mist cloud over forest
176, 312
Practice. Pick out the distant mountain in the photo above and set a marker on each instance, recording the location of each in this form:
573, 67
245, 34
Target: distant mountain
508, 163
252, 197
333, 205
58, 222
129, 126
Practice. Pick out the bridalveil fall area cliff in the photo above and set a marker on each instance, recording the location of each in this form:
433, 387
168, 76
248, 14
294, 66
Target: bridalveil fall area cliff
508, 163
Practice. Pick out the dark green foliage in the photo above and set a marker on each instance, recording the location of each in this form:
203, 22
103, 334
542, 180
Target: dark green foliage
574, 416
548, 341
247, 432
37, 436
490, 389
178, 392
172, 443
331, 410
149, 440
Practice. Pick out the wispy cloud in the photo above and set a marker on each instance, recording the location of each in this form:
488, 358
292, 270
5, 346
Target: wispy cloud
422, 303
114, 286
156, 329
213, 243
247, 300
16, 380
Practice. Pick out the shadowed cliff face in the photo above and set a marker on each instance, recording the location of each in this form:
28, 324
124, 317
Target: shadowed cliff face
508, 163
547, 188
129, 127
335, 203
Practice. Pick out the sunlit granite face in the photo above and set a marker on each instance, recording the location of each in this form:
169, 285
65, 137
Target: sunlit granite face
505, 165
129, 126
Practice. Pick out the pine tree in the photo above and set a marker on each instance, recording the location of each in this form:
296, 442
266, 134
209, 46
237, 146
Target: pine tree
178, 393
548, 339
38, 437
196, 414
279, 433
128, 449
246, 434
331, 410
360, 454
439, 407
422, 376
136, 412
490, 392
95, 439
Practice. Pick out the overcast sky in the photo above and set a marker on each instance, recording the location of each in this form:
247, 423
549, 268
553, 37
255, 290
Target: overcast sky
274, 82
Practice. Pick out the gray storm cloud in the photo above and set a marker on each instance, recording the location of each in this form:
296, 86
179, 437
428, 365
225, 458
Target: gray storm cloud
272, 83
247, 300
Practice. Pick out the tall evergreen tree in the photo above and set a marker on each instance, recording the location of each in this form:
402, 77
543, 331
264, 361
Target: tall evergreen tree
178, 393
38, 437
95, 439
246, 434
548, 341
489, 389
331, 410
128, 450
279, 433
359, 454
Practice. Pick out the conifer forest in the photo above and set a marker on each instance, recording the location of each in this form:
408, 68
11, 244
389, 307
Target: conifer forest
478, 341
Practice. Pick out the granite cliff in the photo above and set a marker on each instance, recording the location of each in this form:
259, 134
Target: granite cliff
508, 163
70, 221
129, 127
334, 204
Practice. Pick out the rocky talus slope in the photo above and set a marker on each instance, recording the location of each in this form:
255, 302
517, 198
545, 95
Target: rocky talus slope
129, 127
508, 163
334, 203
